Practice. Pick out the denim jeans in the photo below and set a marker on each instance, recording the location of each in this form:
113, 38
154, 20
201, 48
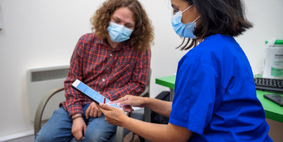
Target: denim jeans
58, 128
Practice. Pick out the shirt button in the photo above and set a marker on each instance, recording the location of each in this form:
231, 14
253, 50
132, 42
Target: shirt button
110, 55
103, 79
98, 92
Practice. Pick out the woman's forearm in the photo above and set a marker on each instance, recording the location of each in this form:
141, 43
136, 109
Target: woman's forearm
161, 107
150, 131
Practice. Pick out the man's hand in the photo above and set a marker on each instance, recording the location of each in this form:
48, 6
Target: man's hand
92, 111
78, 128
113, 115
129, 101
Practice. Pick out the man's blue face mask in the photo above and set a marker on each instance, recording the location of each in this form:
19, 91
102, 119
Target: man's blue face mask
184, 30
119, 33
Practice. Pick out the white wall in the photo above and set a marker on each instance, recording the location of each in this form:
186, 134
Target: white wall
268, 23
44, 33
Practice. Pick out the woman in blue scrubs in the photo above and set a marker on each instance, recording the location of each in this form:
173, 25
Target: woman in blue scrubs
215, 96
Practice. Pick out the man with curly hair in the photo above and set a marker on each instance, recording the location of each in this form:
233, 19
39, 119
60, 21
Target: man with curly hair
114, 60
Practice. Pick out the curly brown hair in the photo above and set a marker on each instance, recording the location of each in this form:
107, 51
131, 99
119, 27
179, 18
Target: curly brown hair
142, 35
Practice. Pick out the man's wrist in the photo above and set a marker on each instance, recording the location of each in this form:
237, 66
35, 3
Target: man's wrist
79, 116
76, 115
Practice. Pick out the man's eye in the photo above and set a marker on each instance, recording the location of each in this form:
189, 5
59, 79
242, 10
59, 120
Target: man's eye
129, 27
116, 21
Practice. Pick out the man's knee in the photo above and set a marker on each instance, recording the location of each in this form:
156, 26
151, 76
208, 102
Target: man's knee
98, 130
97, 136
43, 137
52, 136
57, 128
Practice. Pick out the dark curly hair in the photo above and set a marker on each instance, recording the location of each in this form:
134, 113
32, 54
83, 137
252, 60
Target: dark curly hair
225, 17
142, 35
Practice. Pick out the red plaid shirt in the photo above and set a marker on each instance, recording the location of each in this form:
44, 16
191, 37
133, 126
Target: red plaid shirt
113, 73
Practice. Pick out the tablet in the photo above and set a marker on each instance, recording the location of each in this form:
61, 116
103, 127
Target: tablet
276, 98
91, 94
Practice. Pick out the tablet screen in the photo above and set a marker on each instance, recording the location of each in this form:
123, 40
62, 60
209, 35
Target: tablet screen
86, 90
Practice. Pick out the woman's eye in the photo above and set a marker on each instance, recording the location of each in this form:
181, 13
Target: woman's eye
175, 10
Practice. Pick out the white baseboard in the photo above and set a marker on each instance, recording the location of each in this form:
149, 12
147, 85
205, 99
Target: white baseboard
27, 136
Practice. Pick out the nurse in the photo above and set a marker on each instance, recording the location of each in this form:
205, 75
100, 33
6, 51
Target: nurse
215, 96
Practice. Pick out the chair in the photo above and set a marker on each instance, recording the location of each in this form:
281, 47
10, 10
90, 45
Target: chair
120, 132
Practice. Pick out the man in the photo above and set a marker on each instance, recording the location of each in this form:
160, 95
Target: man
114, 61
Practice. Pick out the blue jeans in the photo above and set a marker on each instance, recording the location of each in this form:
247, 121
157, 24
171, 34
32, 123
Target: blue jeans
58, 128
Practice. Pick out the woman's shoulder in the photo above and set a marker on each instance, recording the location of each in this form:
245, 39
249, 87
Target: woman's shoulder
218, 41
218, 45
215, 47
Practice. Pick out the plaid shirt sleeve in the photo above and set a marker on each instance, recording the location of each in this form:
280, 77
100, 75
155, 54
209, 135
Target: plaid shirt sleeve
138, 81
73, 104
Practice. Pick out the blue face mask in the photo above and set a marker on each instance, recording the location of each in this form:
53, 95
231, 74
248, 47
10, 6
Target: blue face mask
184, 30
119, 33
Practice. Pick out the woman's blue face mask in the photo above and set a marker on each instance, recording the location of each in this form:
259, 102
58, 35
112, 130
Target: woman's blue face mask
119, 33
184, 30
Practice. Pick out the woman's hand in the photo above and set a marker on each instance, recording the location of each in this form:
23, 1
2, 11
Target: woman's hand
129, 101
150, 131
92, 111
113, 115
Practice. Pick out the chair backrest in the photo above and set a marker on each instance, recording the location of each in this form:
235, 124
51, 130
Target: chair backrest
145, 93
148, 78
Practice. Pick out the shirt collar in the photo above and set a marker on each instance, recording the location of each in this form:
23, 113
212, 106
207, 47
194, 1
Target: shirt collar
99, 40
122, 46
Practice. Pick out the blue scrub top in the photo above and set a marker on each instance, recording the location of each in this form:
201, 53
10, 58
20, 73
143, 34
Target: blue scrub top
215, 95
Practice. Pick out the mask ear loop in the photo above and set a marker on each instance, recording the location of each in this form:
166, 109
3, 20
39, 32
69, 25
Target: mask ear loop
196, 19
187, 8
